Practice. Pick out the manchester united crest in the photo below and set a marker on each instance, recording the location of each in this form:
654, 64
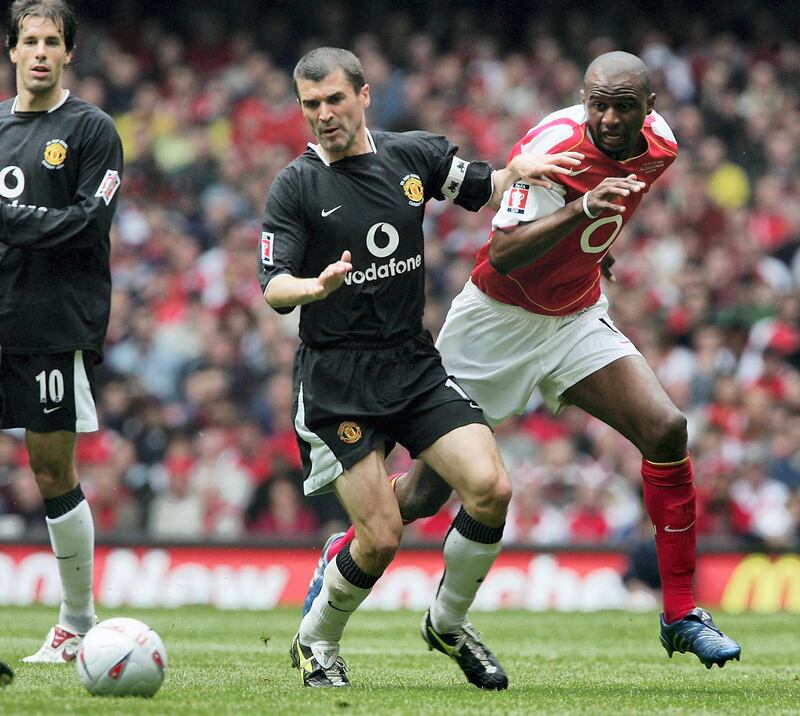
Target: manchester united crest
55, 154
349, 432
413, 189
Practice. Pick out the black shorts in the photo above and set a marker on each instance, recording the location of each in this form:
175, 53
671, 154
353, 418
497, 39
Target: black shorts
45, 392
351, 401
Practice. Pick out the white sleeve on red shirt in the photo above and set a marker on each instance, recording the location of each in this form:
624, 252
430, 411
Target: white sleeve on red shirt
522, 202
661, 128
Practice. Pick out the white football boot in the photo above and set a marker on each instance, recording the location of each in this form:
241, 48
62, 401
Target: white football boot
60, 647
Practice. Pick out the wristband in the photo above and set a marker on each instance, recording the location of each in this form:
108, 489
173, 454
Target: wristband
586, 207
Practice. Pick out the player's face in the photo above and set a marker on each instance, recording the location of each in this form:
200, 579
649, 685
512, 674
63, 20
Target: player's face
40, 56
335, 112
616, 108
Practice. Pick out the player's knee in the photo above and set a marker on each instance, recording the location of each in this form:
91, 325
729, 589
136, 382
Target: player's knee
488, 501
670, 435
501, 496
51, 481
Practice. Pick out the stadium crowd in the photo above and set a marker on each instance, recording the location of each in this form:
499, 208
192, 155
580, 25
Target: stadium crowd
196, 388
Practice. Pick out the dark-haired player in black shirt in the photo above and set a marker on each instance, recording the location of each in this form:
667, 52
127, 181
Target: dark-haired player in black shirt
60, 169
343, 237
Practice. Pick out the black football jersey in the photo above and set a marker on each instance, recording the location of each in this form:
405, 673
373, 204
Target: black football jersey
372, 205
59, 175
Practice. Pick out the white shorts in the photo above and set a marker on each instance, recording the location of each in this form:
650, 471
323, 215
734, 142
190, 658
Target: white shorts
500, 353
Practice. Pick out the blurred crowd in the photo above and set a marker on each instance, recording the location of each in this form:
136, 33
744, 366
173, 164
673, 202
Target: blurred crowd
195, 390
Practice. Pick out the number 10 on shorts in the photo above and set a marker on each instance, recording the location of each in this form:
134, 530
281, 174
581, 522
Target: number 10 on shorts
52, 385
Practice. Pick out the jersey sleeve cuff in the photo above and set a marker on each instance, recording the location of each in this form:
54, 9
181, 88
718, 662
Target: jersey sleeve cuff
476, 188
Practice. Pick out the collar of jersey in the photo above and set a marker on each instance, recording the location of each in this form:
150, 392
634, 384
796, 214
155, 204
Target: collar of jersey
318, 150
52, 109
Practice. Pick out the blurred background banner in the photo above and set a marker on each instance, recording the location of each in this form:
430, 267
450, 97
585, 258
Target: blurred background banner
194, 395
262, 578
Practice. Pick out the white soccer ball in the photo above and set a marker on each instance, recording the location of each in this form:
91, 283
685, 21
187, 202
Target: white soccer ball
122, 657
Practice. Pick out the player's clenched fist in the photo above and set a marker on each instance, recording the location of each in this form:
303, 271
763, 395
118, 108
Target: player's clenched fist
602, 197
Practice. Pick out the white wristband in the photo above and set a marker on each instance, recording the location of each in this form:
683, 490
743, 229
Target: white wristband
586, 207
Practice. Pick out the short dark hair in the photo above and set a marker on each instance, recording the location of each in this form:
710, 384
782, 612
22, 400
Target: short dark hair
59, 11
616, 63
318, 64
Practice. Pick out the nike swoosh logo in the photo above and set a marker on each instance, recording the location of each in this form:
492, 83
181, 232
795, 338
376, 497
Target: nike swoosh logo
47, 411
69, 556
446, 648
329, 211
473, 404
346, 611
681, 529
575, 172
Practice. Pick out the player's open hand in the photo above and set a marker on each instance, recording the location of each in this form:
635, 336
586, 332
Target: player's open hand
333, 275
602, 197
533, 168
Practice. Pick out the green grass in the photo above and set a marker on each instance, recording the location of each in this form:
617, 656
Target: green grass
599, 663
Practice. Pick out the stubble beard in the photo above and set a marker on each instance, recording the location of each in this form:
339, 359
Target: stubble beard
337, 146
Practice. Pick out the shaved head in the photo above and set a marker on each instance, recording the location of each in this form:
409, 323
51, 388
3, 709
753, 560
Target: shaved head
612, 65
617, 96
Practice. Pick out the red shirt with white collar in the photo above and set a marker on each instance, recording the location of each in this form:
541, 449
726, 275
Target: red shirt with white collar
567, 278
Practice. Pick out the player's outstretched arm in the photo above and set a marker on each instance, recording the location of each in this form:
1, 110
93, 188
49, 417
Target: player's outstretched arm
526, 242
532, 169
284, 290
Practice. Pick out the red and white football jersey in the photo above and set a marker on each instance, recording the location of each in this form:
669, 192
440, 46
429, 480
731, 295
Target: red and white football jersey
567, 278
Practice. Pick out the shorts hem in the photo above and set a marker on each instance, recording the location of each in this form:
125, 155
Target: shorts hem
414, 453
558, 403
87, 426
325, 484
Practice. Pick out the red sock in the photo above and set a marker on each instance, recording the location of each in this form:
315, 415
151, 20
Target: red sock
348, 536
669, 497
338, 545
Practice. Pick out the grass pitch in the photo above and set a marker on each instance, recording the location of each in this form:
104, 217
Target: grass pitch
600, 663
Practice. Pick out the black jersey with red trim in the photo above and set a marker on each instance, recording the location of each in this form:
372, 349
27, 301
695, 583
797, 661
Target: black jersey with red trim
373, 205
59, 175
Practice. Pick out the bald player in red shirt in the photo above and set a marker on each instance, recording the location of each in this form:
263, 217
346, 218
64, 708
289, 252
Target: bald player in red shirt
532, 315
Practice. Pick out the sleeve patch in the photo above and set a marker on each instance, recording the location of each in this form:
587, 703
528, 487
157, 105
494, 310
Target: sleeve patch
267, 240
455, 178
108, 187
518, 198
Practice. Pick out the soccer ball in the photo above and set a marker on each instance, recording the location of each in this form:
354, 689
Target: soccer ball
122, 657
